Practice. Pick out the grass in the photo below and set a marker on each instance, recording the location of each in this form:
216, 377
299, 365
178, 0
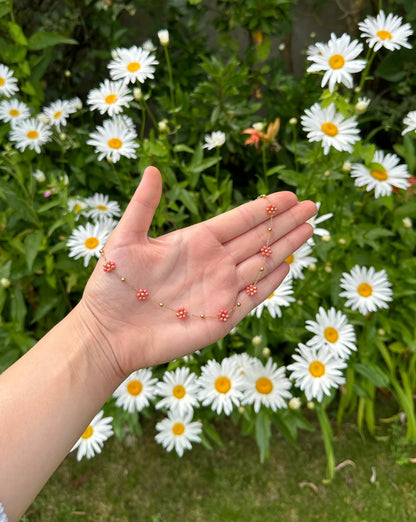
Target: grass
137, 481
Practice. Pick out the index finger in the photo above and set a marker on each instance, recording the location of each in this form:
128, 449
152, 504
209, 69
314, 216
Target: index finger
247, 216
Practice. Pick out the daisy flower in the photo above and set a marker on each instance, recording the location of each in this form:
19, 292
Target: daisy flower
410, 122
299, 260
362, 105
13, 111
337, 59
110, 97
221, 386
136, 392
385, 174
112, 140
214, 140
101, 207
163, 36
365, 289
315, 220
30, 133
316, 371
385, 31
282, 296
149, 46
92, 440
266, 385
87, 241
133, 64
332, 329
330, 128
242, 361
58, 112
177, 432
179, 390
8, 82
76, 205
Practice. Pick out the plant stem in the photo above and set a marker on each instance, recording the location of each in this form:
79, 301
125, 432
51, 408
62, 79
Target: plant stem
327, 436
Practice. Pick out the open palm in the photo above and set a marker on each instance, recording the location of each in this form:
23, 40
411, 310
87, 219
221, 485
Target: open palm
200, 269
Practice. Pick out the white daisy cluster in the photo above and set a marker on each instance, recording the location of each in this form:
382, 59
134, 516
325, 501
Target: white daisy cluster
338, 59
88, 239
26, 131
223, 386
92, 440
117, 136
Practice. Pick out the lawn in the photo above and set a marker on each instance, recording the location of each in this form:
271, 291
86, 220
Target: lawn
137, 480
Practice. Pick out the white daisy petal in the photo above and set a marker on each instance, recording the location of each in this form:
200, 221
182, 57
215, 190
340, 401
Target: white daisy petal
30, 133
214, 140
136, 392
316, 371
113, 140
87, 241
299, 260
387, 32
99, 207
110, 97
365, 289
8, 82
282, 296
410, 122
93, 438
177, 432
13, 111
386, 174
179, 390
131, 65
330, 128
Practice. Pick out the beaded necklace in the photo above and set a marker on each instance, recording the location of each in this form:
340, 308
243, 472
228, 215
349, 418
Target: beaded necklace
181, 312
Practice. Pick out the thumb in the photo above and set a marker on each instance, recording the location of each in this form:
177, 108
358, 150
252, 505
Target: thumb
139, 213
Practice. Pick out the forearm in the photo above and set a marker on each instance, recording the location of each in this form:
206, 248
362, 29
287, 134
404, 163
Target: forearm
47, 400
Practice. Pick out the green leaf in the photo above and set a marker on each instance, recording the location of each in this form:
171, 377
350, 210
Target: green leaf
263, 434
32, 244
18, 309
17, 34
43, 39
374, 374
4, 9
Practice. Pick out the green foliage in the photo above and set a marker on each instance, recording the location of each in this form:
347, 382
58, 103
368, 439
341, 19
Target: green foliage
207, 82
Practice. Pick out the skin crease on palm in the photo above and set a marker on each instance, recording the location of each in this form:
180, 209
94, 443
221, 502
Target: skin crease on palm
204, 268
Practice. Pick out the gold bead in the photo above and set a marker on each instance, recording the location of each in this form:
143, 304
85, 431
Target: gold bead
238, 304
269, 229
123, 279
202, 316
262, 269
161, 305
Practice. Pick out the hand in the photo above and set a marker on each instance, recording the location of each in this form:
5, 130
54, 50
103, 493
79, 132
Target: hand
204, 268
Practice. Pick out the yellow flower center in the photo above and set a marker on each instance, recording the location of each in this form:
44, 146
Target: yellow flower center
380, 175
331, 334
222, 384
365, 290
14, 112
316, 369
101, 207
264, 385
178, 428
134, 387
330, 129
271, 295
91, 242
336, 61
57, 115
114, 143
290, 259
111, 98
179, 391
133, 67
32, 134
2, 81
384, 35
78, 208
88, 432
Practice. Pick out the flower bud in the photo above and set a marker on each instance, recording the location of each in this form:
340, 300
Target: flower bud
295, 403
342, 241
163, 35
67, 73
310, 405
327, 173
137, 93
362, 105
241, 409
346, 167
259, 126
293, 121
5, 283
407, 222
312, 267
266, 352
282, 46
381, 332
39, 176
326, 238
256, 341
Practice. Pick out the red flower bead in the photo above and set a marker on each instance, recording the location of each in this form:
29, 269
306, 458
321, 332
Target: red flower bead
271, 210
182, 313
251, 290
109, 266
266, 251
223, 315
142, 294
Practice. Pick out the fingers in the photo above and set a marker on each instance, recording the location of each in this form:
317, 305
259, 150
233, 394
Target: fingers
249, 244
139, 213
231, 224
281, 250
